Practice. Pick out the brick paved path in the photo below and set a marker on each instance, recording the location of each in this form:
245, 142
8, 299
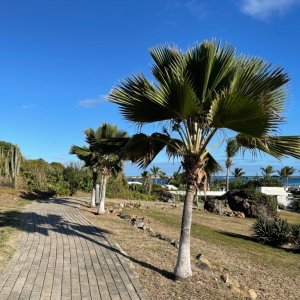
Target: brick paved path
63, 256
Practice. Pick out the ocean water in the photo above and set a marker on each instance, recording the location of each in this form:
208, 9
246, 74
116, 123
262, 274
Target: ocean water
293, 180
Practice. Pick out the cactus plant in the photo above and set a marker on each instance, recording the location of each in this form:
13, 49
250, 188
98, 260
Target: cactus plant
10, 158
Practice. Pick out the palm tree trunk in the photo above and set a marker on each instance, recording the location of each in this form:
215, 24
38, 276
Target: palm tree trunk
97, 193
183, 265
93, 196
101, 209
227, 179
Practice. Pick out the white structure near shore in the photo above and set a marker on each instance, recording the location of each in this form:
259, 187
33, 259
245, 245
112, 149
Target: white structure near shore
283, 197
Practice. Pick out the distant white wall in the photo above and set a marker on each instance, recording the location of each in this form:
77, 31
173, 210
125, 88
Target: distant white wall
282, 196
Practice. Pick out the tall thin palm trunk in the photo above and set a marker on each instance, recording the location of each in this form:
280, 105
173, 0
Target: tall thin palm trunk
183, 265
93, 196
227, 179
101, 209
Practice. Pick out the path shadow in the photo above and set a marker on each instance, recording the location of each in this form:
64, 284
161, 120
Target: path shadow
33, 222
46, 198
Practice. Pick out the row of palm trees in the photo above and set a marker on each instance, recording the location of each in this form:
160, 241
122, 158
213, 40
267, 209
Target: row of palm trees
192, 96
284, 173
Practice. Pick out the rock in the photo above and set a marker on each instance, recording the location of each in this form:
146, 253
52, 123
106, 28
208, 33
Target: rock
236, 288
243, 201
133, 220
175, 244
122, 204
228, 213
213, 205
252, 294
156, 234
139, 224
232, 283
150, 230
239, 214
203, 263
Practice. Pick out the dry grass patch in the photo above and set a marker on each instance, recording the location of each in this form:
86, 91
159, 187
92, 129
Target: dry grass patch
11, 205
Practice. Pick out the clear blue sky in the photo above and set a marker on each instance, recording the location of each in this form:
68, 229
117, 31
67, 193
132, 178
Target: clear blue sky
60, 58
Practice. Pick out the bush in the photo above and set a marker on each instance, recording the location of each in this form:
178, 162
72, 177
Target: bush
296, 235
117, 187
275, 232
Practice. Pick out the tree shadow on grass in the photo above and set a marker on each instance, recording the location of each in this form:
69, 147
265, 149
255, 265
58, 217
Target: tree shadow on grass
70, 224
253, 239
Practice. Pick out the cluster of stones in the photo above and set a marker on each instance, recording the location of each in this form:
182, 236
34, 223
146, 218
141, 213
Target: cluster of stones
203, 263
139, 223
237, 288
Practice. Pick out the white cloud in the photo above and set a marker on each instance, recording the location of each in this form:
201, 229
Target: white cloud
28, 105
265, 9
92, 102
196, 8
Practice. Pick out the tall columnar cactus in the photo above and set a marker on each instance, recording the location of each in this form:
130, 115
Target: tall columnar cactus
14, 164
10, 158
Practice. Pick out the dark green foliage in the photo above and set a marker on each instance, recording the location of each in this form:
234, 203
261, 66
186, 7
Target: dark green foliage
117, 187
256, 182
275, 232
54, 179
296, 234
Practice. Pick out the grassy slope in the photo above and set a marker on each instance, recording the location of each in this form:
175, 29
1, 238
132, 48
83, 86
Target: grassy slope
235, 236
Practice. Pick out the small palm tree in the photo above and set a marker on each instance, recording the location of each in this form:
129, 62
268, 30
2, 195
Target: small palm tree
92, 160
238, 173
194, 95
155, 171
111, 162
231, 150
286, 172
267, 171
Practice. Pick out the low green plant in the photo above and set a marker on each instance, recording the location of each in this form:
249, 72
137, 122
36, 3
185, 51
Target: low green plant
296, 234
275, 232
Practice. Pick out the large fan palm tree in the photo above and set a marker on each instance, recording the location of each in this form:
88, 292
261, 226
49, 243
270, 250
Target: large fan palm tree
194, 95
286, 172
231, 150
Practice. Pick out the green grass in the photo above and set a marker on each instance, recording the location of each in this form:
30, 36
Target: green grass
291, 217
232, 241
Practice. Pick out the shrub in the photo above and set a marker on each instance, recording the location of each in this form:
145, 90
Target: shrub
296, 203
296, 235
275, 232
117, 187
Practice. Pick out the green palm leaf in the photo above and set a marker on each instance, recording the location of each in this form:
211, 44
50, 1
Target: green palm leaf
277, 146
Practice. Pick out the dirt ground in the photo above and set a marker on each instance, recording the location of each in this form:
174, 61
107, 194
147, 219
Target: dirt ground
225, 242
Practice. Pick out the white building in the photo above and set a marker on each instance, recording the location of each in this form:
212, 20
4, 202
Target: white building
283, 197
